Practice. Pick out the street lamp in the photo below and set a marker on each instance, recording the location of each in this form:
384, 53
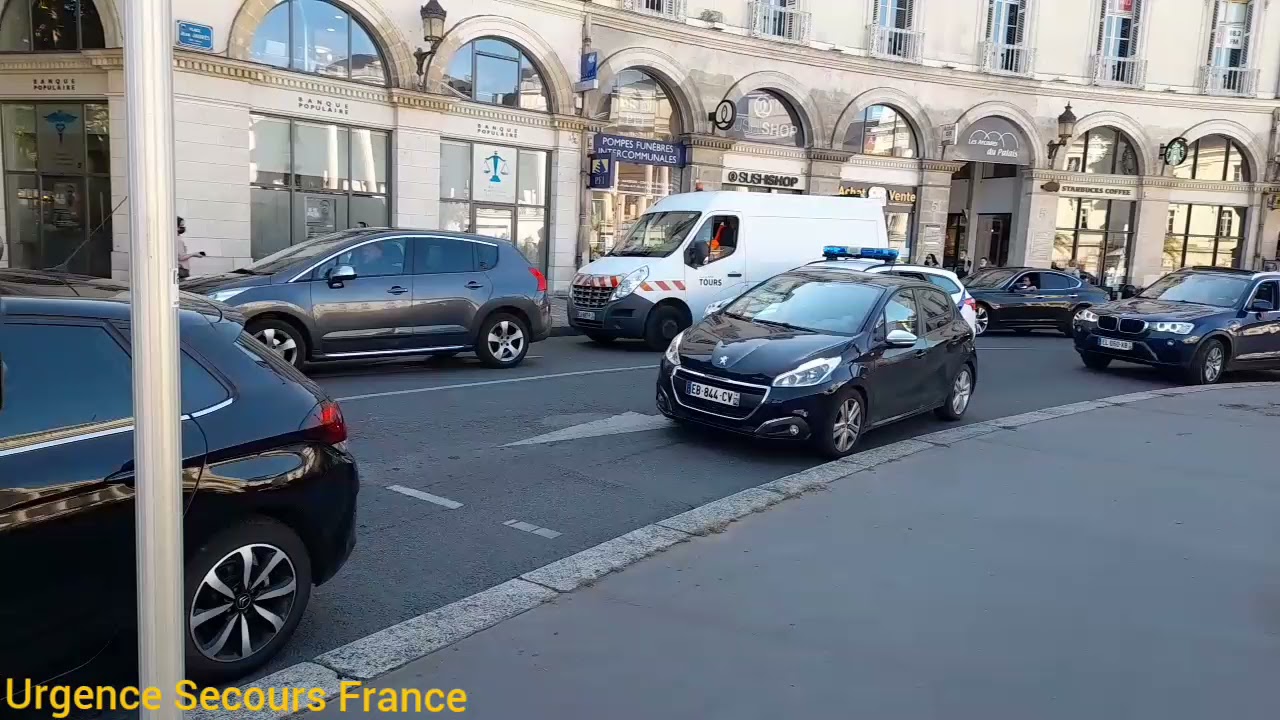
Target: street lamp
1066, 131
433, 16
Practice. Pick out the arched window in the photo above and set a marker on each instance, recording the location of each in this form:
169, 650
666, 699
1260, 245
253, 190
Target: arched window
765, 116
50, 26
881, 130
1215, 157
637, 104
496, 72
315, 36
1103, 151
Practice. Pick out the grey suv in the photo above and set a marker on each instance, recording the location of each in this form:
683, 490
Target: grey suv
378, 292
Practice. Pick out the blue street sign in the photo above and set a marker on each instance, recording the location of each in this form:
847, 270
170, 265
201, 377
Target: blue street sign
590, 66
639, 151
602, 170
195, 36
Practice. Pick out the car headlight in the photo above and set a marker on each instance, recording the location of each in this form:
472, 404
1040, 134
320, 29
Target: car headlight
1177, 328
225, 295
1087, 315
673, 350
811, 373
629, 283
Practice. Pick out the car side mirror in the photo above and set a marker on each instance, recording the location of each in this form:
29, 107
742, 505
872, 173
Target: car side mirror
341, 274
900, 338
697, 253
1128, 291
1259, 305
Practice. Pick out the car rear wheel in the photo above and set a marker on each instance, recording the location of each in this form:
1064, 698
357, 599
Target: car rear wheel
1094, 361
961, 393
1068, 326
280, 338
503, 342
245, 590
982, 320
1208, 364
839, 436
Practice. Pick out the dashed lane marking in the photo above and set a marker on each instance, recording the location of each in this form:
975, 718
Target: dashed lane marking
531, 528
507, 381
441, 501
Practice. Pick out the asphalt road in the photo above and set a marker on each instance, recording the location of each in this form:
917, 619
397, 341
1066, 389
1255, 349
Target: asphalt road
439, 427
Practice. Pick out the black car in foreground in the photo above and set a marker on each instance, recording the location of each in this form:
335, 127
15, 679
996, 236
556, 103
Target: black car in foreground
1201, 321
269, 486
1025, 299
380, 292
822, 354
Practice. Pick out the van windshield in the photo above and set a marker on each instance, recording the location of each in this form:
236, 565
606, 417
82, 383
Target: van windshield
656, 234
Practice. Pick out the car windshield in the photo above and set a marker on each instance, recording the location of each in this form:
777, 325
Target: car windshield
656, 234
987, 279
314, 248
1198, 288
806, 302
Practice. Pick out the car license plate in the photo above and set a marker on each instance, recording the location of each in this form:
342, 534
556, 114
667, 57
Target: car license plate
714, 394
584, 315
1115, 344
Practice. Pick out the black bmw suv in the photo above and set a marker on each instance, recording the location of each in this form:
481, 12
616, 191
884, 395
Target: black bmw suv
1201, 321
269, 486
822, 354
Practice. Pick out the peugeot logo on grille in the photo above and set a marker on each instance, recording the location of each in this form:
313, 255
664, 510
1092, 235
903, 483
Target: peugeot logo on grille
722, 360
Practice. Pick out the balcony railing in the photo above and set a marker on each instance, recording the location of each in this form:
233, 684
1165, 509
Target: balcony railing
669, 9
895, 43
1004, 59
1228, 81
770, 21
1121, 71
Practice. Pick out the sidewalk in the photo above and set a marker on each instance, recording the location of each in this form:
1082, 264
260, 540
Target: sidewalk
1104, 560
560, 316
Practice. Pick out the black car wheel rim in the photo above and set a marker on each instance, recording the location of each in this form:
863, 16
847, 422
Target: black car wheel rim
980, 322
279, 342
506, 341
1213, 362
243, 602
844, 432
961, 391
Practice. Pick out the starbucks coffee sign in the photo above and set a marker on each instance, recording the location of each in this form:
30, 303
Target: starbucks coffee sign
751, 178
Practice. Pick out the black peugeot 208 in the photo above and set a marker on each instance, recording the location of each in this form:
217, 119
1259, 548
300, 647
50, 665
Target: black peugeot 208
822, 354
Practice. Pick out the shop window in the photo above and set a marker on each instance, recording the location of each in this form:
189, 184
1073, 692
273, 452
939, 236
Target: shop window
1215, 157
50, 26
881, 130
1203, 235
1094, 240
1103, 151
495, 72
496, 191
766, 117
314, 36
638, 104
308, 179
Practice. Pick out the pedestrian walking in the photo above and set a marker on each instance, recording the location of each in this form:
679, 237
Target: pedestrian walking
184, 257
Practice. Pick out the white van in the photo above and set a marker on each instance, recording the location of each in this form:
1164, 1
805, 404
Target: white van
693, 249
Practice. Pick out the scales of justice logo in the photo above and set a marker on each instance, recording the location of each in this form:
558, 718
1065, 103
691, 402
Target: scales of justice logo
60, 120
495, 166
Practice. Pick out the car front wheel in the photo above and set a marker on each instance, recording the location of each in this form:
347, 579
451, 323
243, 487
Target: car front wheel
1209, 363
1094, 361
840, 434
281, 338
245, 589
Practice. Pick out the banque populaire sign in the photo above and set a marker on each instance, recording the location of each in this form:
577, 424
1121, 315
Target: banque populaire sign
993, 140
639, 151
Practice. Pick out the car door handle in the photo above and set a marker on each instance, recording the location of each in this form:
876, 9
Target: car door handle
735, 275
473, 285
397, 290
921, 353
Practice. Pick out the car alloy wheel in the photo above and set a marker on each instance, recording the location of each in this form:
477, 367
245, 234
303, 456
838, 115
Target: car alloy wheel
279, 342
1214, 360
848, 425
243, 602
506, 341
961, 392
980, 320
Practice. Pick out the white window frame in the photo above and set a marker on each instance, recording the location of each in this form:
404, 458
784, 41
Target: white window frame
1245, 75
797, 20
1137, 55
910, 43
996, 52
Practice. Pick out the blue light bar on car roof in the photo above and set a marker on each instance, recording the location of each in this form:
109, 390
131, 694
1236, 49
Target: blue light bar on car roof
835, 252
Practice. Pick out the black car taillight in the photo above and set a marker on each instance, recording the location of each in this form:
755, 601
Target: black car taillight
327, 426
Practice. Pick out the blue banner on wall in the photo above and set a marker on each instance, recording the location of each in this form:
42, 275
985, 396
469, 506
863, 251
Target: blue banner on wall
639, 151
195, 36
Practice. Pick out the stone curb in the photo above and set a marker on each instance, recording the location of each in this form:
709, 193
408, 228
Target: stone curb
396, 646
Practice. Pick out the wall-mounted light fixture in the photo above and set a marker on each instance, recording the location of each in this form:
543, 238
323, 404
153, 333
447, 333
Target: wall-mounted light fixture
1066, 131
433, 17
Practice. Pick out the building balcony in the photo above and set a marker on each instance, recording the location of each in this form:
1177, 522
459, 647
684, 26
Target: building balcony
775, 23
669, 9
895, 43
1118, 71
1233, 81
1001, 59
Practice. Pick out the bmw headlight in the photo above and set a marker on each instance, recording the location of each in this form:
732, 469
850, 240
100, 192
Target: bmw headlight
225, 295
1087, 315
629, 283
673, 350
811, 373
1177, 328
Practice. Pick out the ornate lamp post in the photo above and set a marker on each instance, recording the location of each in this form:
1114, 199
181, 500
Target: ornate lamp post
1066, 131
433, 17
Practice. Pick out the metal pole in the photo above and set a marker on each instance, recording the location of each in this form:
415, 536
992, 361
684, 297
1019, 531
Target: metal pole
154, 280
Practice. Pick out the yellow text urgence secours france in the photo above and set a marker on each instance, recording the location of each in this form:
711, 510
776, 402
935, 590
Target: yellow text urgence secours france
352, 696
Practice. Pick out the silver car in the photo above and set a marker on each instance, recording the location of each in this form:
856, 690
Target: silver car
379, 292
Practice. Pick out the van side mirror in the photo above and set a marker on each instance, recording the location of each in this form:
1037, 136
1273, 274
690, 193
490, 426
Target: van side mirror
1128, 291
697, 253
